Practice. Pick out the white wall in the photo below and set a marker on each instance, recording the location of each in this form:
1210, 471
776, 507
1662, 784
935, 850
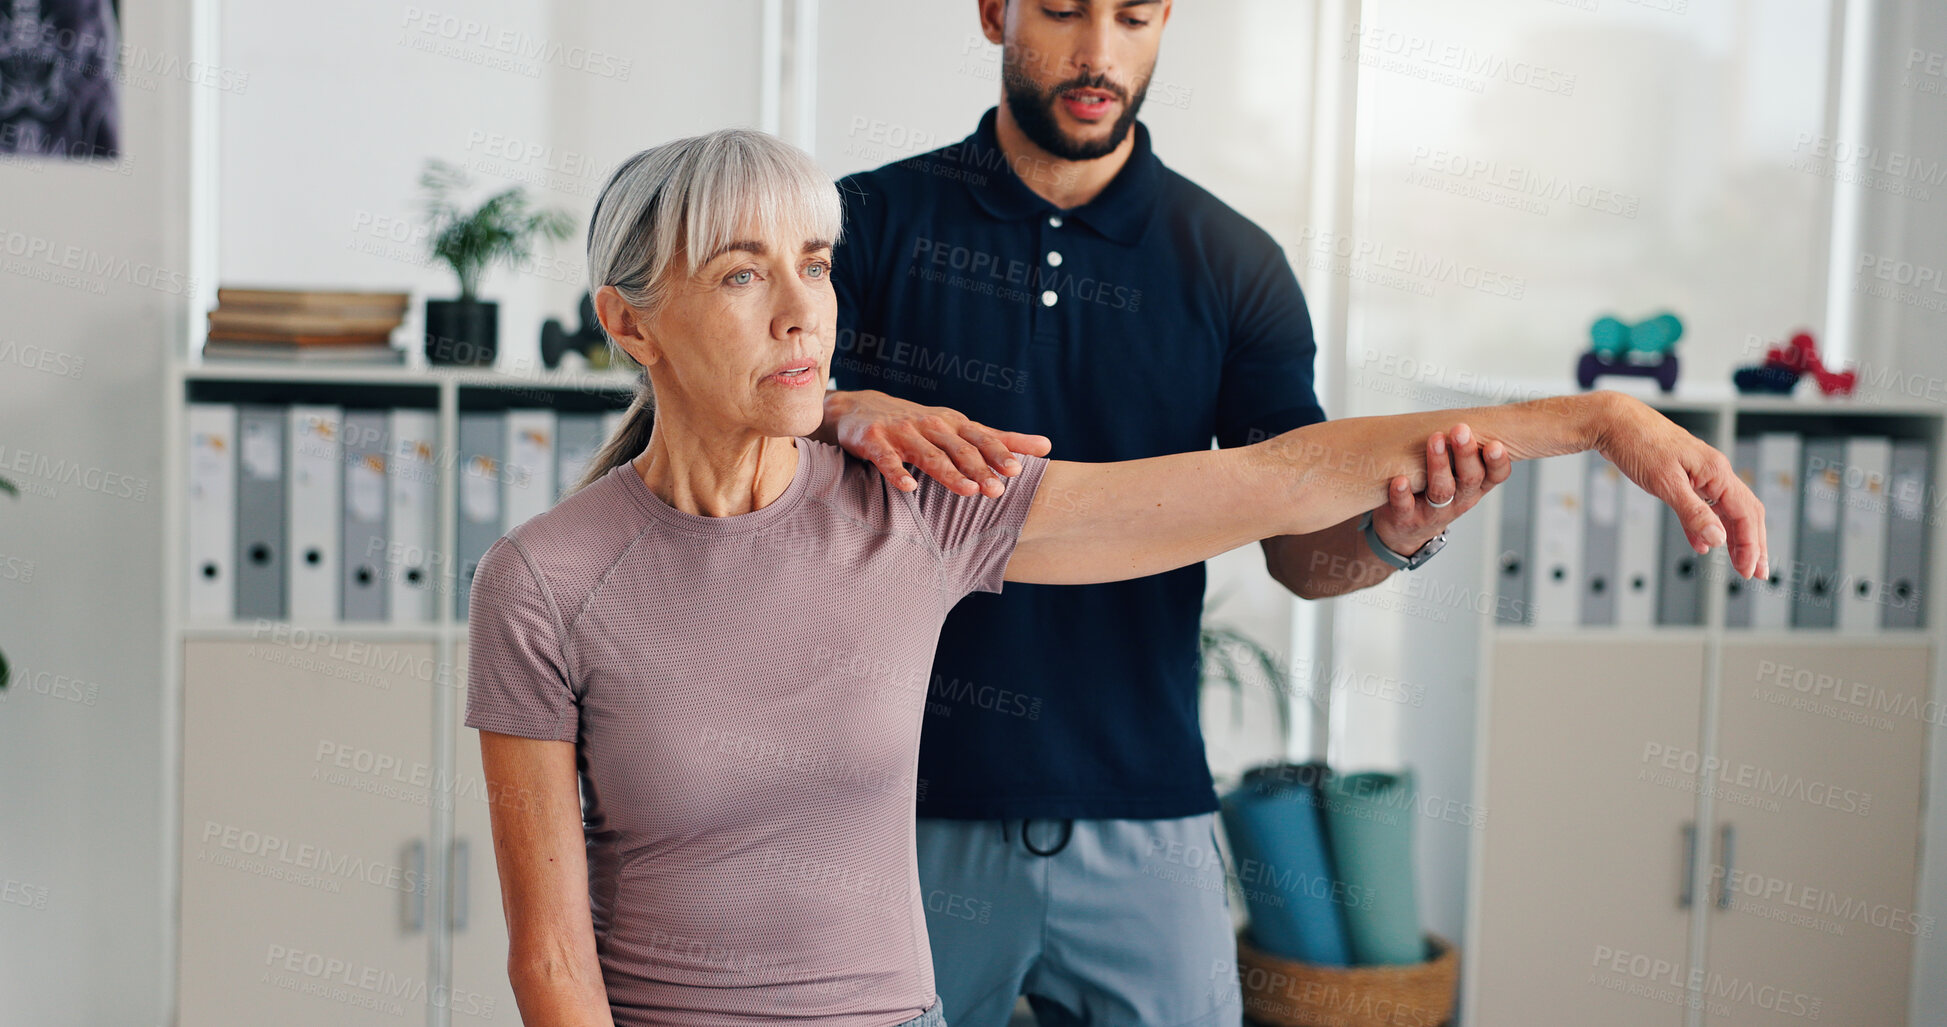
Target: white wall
1903, 349
346, 103
82, 822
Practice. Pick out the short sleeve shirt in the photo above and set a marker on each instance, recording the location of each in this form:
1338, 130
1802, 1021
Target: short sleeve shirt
744, 694
1149, 320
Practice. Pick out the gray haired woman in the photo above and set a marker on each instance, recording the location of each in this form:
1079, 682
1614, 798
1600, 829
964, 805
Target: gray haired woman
699, 677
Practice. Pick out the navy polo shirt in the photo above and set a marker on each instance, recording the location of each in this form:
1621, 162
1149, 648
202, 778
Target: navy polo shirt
1147, 321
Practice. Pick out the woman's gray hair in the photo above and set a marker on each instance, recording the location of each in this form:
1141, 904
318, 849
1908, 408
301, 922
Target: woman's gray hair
687, 198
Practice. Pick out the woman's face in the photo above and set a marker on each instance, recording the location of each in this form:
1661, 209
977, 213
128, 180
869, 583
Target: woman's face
746, 343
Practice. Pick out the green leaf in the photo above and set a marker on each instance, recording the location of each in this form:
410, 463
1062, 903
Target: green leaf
9, 487
1225, 652
500, 230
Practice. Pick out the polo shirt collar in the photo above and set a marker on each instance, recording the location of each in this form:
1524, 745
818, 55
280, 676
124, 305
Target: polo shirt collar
1121, 211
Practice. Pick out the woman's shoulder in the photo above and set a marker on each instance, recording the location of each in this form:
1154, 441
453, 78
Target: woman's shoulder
582, 535
855, 488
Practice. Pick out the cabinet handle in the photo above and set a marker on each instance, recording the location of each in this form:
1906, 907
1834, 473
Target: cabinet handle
1684, 890
456, 895
412, 903
1726, 838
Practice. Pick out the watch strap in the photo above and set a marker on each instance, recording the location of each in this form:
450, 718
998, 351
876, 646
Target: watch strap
1395, 560
1379, 548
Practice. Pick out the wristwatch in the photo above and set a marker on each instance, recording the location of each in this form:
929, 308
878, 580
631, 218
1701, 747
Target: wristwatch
1385, 552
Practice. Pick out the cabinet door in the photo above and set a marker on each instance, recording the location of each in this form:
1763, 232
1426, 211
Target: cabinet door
481, 991
307, 775
1582, 855
1822, 763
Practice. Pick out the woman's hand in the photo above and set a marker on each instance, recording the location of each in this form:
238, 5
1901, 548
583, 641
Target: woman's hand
1697, 481
964, 455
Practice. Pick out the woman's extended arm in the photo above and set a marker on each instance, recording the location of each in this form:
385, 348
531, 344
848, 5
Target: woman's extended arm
1095, 522
534, 800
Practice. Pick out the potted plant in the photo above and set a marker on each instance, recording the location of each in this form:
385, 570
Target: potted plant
1280, 815
466, 330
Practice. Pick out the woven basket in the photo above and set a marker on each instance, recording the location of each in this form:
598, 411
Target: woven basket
1287, 993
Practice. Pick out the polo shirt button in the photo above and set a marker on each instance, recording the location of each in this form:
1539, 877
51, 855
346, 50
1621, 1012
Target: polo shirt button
1048, 298
1054, 258
1054, 220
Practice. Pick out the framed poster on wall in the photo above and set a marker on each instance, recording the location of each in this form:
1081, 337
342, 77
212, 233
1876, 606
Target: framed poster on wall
59, 64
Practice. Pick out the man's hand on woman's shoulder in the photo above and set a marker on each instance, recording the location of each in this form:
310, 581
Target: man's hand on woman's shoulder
964, 455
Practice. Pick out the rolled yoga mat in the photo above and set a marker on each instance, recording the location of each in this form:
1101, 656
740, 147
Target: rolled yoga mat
1283, 864
1369, 827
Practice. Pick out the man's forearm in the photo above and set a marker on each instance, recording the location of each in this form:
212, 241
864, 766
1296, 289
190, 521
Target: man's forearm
1325, 563
1326, 473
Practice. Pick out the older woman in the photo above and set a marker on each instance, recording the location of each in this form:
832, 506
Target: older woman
723, 635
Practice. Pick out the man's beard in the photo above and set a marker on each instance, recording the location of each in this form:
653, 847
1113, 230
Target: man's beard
1034, 110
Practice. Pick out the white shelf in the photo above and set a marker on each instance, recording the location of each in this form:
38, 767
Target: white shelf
363, 374
285, 631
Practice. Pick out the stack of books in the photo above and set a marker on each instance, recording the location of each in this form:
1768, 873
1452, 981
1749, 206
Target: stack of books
306, 325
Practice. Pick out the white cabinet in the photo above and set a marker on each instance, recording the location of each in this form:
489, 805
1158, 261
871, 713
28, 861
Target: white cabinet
306, 815
1582, 854
1690, 825
1816, 831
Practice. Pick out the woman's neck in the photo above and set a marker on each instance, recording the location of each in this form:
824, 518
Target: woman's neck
716, 477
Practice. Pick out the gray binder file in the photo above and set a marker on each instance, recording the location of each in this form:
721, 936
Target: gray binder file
260, 511
1679, 586
1517, 544
1599, 538
1906, 536
1738, 592
576, 438
482, 439
365, 582
1815, 567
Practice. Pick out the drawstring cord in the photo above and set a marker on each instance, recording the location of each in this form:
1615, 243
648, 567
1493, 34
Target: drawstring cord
1067, 832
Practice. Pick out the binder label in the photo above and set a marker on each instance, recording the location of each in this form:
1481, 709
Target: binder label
261, 454
480, 491
1822, 500
365, 487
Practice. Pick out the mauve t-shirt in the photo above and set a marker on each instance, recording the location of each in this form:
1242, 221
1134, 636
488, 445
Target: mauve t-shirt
744, 694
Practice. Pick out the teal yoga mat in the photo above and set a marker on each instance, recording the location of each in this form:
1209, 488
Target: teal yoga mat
1369, 825
1278, 848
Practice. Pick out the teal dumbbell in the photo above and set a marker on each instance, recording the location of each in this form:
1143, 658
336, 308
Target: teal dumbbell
1657, 335
1611, 339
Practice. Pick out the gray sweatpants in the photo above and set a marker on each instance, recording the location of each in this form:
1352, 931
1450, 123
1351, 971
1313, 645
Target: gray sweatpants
1121, 922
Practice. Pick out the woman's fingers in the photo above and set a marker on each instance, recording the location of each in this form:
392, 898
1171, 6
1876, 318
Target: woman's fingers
1701, 525
1440, 488
1741, 514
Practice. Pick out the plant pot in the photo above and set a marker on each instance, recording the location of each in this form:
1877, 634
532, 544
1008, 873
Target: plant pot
464, 332
1288, 993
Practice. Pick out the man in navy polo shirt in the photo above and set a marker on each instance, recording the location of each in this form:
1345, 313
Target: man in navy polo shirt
1050, 274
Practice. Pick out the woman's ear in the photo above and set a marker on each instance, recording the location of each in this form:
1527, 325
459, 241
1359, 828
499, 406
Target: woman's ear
625, 324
